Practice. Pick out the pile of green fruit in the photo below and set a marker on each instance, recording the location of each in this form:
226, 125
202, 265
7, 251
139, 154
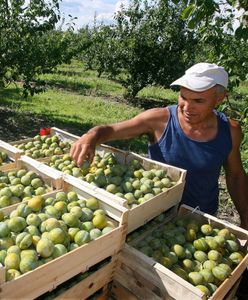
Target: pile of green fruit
40, 230
44, 146
203, 255
131, 182
18, 185
4, 159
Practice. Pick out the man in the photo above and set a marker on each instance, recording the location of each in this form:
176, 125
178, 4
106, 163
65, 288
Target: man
191, 135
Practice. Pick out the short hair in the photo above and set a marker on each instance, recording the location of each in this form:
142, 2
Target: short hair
219, 89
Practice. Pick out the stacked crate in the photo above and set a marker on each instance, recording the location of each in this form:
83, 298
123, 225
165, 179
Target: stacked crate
48, 276
145, 278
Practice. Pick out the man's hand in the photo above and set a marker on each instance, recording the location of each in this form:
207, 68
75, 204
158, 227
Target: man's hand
83, 148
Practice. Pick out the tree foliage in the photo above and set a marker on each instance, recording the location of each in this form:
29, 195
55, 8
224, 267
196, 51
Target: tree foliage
223, 26
229, 15
148, 44
29, 42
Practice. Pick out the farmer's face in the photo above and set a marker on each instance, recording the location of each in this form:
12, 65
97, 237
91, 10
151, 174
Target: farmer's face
195, 107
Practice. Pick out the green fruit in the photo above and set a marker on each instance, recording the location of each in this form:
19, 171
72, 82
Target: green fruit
220, 240
214, 255
226, 268
45, 247
225, 233
99, 221
190, 235
61, 196
23, 240
87, 214
72, 196
29, 253
77, 211
27, 264
57, 236
232, 246
23, 210
82, 237
236, 257
200, 256
211, 287
204, 289
12, 261
107, 229
179, 250
166, 261
36, 183
220, 273
6, 242
212, 243
206, 229
33, 219
88, 226
72, 232
209, 264
49, 224
196, 278
12, 274
3, 254
17, 224
95, 233
4, 229
5, 201
59, 250
200, 244
188, 265
36, 203
70, 219
14, 249
207, 275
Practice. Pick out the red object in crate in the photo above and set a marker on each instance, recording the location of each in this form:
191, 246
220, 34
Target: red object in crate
45, 131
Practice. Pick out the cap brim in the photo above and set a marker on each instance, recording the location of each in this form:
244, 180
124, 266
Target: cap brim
194, 83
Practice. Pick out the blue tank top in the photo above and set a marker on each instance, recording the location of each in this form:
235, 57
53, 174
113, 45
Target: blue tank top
202, 160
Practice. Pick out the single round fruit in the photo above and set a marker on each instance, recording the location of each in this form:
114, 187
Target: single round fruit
45, 247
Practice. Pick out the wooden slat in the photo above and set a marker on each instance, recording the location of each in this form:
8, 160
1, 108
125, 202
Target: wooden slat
90, 285
119, 292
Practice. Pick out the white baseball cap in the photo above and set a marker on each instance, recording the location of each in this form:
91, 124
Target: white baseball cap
203, 76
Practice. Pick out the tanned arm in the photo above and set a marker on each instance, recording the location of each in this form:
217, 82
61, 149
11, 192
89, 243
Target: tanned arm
236, 178
151, 122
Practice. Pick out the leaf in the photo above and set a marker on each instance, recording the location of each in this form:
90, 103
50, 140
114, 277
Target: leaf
188, 11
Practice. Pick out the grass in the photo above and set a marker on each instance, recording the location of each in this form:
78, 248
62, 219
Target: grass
76, 100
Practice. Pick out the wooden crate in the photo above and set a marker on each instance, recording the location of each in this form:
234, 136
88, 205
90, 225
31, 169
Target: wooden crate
12, 152
51, 177
141, 214
146, 211
97, 282
48, 276
148, 279
63, 135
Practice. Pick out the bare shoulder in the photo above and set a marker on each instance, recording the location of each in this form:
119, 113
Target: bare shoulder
236, 131
159, 114
155, 121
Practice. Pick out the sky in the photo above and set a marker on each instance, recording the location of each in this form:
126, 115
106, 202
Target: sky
85, 10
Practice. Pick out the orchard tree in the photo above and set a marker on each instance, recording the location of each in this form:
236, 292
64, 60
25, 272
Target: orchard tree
99, 53
154, 46
30, 44
224, 26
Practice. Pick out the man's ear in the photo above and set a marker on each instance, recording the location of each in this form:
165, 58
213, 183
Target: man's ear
221, 97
